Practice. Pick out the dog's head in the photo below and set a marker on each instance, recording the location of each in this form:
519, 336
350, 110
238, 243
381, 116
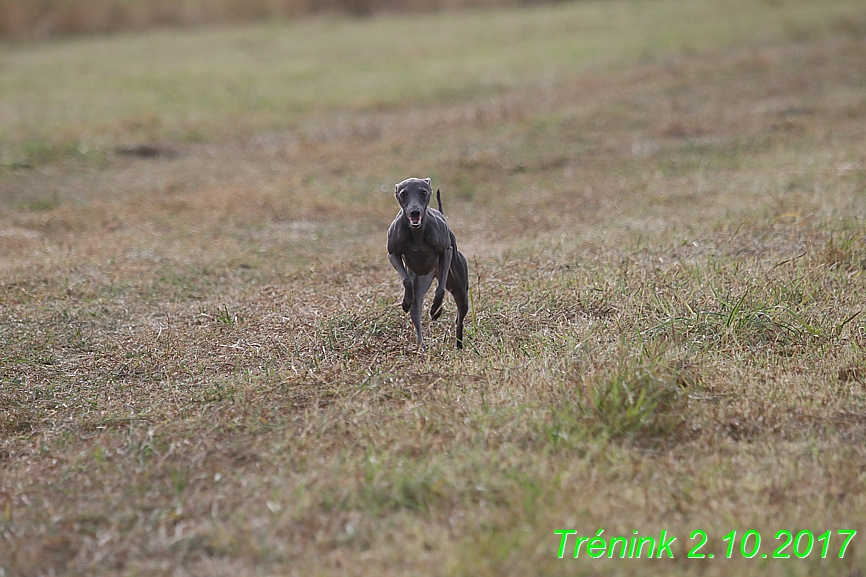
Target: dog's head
414, 194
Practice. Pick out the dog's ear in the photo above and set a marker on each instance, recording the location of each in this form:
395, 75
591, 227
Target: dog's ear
427, 180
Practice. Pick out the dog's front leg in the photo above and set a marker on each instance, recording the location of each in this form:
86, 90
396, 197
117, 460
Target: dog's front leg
396, 261
439, 296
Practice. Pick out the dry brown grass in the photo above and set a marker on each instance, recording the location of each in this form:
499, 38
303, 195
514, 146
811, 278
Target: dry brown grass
205, 370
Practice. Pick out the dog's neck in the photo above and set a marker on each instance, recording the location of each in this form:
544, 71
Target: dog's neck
417, 233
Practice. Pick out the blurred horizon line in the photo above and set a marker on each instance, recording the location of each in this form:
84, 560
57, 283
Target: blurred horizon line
22, 20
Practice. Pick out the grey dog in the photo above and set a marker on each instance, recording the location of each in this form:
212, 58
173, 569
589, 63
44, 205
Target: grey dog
422, 247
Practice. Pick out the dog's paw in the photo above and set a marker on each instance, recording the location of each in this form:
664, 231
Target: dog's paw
436, 307
408, 295
408, 299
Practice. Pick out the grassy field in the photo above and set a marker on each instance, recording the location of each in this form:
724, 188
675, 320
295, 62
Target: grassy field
205, 370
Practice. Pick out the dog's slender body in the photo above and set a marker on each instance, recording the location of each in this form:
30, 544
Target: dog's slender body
422, 247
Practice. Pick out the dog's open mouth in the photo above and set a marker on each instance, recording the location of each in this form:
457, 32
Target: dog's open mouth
415, 221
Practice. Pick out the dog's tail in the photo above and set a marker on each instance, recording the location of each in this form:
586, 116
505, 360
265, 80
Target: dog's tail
439, 200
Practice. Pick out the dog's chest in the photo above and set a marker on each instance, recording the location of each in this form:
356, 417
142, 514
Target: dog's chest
419, 257
418, 246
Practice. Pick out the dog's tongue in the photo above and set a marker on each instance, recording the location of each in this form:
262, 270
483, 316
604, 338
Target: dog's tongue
415, 220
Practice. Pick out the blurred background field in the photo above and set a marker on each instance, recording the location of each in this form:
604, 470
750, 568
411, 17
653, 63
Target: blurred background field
91, 93
204, 368
39, 18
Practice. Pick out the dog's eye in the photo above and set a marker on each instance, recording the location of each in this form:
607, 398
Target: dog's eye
402, 194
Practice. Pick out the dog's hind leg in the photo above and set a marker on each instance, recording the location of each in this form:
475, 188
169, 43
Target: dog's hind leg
458, 286
421, 286
462, 301
439, 295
